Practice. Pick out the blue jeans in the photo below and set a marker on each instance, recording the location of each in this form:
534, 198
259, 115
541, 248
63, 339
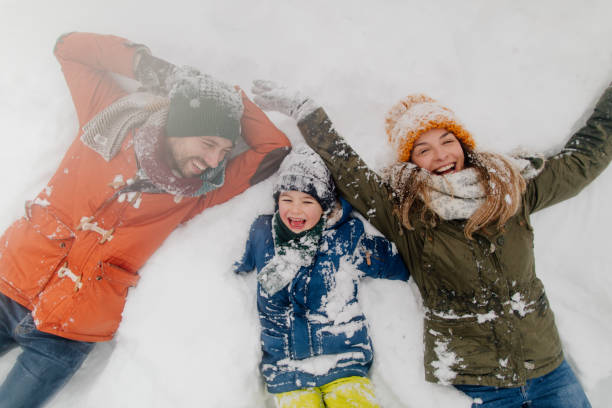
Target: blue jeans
46, 363
557, 389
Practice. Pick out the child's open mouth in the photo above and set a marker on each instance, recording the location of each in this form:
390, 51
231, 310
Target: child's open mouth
296, 223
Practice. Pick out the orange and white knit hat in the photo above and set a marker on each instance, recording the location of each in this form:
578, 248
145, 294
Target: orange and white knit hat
416, 114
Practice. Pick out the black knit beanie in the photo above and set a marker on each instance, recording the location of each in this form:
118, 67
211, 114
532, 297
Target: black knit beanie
203, 106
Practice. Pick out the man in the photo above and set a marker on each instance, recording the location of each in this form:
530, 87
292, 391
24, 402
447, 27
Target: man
141, 165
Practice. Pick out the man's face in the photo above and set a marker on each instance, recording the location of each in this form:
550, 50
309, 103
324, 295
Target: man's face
189, 156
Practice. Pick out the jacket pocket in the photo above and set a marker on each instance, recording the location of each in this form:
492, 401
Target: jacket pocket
459, 347
344, 338
274, 344
94, 311
99, 307
32, 249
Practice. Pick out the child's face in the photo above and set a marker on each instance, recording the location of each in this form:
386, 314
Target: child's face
299, 211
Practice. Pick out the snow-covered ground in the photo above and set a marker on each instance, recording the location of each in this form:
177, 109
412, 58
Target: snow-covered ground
518, 72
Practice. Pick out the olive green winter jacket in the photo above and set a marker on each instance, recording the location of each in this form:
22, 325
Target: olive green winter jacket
487, 318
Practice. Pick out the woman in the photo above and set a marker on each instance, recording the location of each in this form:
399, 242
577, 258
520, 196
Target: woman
460, 219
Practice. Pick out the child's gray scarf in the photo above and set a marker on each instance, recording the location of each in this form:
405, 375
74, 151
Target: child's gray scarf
289, 256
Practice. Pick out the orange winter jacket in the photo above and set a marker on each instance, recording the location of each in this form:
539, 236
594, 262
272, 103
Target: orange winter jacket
75, 279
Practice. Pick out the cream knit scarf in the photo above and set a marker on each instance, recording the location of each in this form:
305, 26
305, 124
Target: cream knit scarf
457, 195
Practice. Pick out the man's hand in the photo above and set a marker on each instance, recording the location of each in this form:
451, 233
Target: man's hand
271, 96
154, 73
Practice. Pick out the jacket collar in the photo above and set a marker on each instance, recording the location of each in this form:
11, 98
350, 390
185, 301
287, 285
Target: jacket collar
339, 215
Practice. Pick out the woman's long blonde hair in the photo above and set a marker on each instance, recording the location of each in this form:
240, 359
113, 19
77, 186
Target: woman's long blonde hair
502, 184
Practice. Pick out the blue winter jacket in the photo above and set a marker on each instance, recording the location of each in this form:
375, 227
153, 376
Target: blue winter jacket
313, 331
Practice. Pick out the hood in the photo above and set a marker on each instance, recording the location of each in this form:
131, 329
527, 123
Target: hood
339, 215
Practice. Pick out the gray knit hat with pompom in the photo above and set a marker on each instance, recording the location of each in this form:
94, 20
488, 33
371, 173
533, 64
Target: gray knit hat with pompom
203, 106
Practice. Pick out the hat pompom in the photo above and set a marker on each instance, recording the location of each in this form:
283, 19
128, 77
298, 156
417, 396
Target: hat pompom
397, 110
416, 114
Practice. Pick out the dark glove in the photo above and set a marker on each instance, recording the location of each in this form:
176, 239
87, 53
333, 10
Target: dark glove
154, 73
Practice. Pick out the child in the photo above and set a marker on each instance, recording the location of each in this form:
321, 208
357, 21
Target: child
309, 257
460, 218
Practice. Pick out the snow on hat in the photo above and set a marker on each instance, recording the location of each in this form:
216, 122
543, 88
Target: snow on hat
303, 170
203, 106
416, 114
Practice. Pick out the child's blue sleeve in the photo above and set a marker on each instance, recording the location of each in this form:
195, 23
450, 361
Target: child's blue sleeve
380, 259
247, 263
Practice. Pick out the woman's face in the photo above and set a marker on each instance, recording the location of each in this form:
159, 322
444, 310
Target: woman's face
438, 151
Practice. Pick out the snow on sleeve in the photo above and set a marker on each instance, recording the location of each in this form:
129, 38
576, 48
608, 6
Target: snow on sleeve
41, 201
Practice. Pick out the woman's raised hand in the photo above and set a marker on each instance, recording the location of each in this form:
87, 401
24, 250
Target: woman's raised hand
271, 96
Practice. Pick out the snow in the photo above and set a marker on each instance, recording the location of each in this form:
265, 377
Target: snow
517, 304
337, 306
487, 317
445, 360
517, 74
321, 365
41, 202
452, 315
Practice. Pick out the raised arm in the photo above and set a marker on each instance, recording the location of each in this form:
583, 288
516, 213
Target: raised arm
88, 60
584, 157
